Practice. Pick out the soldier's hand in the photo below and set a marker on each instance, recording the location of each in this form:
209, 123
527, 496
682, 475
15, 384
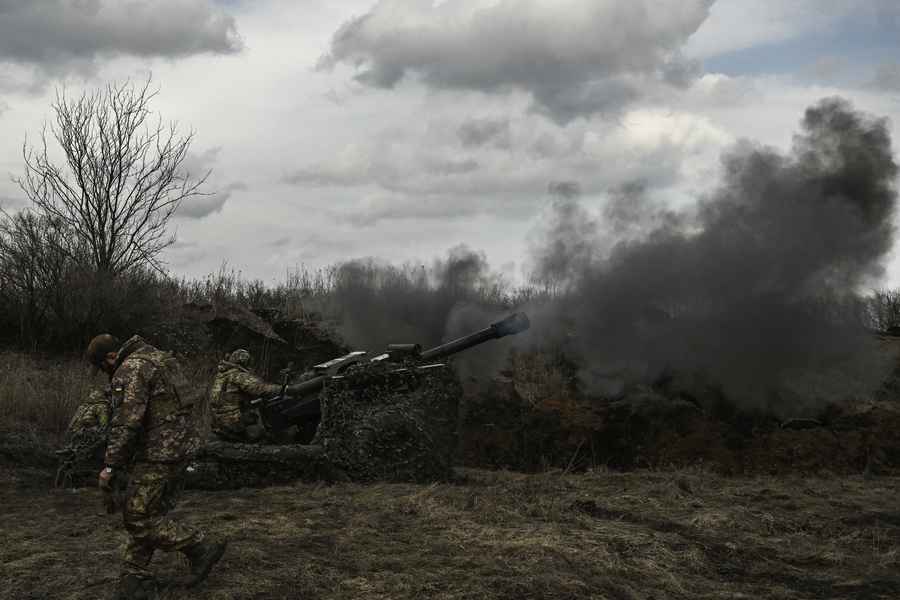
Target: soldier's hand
107, 489
105, 479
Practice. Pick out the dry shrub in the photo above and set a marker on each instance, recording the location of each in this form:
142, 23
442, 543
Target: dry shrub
547, 384
40, 395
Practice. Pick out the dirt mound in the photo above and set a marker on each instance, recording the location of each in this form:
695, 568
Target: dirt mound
213, 329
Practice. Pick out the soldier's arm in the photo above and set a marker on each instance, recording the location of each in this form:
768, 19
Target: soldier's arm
253, 385
128, 422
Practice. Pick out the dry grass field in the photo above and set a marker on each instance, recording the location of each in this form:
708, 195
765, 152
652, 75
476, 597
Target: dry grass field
642, 535
493, 535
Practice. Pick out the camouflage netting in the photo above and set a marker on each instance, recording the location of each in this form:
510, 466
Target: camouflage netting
391, 422
81, 458
225, 465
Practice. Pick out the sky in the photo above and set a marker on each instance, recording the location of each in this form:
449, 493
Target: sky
400, 129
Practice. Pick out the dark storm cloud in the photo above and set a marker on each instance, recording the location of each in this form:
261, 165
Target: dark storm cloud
575, 57
747, 289
52, 33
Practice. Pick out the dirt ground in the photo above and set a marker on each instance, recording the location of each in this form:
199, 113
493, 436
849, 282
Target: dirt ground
640, 535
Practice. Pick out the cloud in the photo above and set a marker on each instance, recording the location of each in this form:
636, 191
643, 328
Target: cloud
574, 57
738, 25
203, 206
198, 165
827, 68
182, 254
477, 165
474, 133
887, 77
745, 287
50, 36
399, 206
330, 175
11, 203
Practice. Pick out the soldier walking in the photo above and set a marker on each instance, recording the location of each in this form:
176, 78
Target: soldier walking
152, 435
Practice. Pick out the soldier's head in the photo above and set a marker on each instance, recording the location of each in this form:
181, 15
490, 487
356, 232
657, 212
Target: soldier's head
101, 353
240, 357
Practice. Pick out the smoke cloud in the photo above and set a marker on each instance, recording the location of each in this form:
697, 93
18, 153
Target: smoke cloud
409, 304
752, 287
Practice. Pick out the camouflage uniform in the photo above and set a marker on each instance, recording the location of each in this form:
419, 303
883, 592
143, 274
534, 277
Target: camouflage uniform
94, 413
85, 442
233, 388
153, 433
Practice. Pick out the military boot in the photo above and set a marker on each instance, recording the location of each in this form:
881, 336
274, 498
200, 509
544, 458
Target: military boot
136, 587
202, 558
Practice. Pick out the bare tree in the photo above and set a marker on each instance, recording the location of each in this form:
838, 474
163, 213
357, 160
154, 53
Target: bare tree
122, 178
34, 263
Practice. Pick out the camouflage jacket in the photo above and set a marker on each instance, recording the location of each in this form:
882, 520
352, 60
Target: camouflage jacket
155, 420
93, 414
232, 390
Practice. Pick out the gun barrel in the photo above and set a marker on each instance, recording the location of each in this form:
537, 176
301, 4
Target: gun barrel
303, 400
511, 325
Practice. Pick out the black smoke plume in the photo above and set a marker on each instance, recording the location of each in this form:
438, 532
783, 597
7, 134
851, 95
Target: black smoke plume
382, 304
754, 286
754, 289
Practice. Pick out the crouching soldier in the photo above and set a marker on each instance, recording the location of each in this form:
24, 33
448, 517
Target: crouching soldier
92, 414
85, 443
233, 389
151, 437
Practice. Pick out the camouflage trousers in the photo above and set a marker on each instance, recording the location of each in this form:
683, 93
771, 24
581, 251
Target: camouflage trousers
152, 492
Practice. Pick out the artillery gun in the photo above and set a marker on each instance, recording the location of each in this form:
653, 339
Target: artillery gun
389, 417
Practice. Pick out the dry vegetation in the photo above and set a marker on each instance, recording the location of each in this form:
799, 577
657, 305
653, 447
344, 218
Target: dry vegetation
638, 535
39, 396
641, 535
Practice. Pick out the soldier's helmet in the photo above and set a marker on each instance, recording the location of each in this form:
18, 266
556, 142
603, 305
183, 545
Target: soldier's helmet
240, 357
99, 347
